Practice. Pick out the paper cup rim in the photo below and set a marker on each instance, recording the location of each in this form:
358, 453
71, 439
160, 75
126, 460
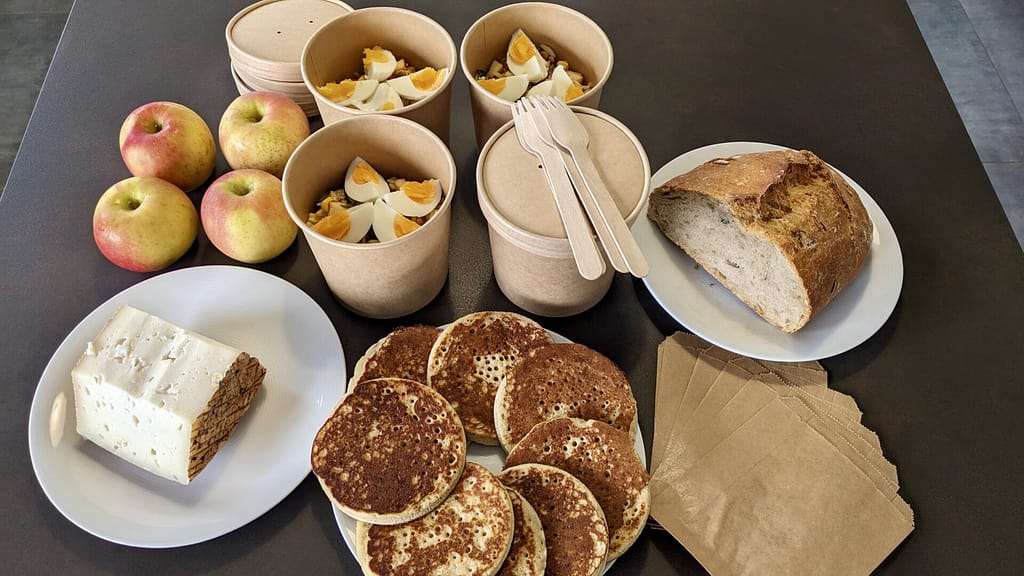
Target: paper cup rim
445, 84
595, 88
269, 67
344, 123
538, 243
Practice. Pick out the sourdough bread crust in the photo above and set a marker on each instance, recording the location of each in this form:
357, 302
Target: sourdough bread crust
825, 236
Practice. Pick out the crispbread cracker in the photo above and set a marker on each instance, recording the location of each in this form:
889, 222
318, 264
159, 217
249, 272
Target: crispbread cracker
562, 380
603, 458
390, 452
575, 529
469, 534
470, 358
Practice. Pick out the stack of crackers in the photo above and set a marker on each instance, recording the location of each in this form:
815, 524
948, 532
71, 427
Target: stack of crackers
760, 468
571, 496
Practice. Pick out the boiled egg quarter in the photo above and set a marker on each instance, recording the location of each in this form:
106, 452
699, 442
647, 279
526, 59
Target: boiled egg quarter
389, 224
384, 98
562, 86
509, 88
348, 91
419, 84
363, 183
378, 63
415, 199
523, 57
346, 224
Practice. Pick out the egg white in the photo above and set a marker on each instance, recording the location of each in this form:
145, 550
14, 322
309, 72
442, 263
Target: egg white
535, 68
361, 216
380, 71
384, 217
511, 88
406, 206
384, 98
368, 191
542, 89
407, 89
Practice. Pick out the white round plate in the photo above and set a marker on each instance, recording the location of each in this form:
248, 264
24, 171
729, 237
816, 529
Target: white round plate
697, 301
490, 457
267, 455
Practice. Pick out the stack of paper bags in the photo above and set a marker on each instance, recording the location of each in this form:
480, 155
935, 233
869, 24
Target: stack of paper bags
759, 468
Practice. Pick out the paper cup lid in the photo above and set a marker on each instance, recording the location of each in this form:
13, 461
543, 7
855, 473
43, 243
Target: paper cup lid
267, 37
516, 190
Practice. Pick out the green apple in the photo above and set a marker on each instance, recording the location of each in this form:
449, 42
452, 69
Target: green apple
243, 215
169, 141
261, 130
144, 223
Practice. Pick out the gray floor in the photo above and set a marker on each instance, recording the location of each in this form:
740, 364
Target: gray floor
978, 46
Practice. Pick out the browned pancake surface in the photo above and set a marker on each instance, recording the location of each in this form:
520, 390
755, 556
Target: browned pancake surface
470, 358
401, 354
468, 534
562, 380
575, 530
390, 452
528, 554
604, 458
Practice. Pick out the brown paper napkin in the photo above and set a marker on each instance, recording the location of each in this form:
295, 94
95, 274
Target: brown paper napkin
760, 468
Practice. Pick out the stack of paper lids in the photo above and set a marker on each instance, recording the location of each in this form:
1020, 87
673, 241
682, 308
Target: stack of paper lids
265, 42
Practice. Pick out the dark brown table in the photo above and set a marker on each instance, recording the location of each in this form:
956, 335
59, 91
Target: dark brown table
851, 79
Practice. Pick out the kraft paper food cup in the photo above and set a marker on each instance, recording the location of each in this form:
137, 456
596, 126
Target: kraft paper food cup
335, 53
533, 262
386, 279
573, 36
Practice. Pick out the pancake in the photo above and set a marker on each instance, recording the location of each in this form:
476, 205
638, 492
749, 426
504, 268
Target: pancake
575, 531
470, 358
528, 555
469, 534
401, 354
604, 458
562, 380
391, 451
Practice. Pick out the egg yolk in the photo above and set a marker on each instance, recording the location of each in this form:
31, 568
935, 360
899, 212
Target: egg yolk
424, 79
521, 49
375, 54
335, 225
573, 91
493, 85
338, 91
403, 226
388, 106
420, 192
364, 173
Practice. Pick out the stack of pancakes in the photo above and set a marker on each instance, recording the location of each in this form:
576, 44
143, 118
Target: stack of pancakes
572, 497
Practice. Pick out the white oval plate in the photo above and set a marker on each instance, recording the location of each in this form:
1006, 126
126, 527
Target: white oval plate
266, 457
490, 457
697, 301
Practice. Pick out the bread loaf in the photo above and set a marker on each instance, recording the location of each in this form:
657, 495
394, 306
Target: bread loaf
781, 230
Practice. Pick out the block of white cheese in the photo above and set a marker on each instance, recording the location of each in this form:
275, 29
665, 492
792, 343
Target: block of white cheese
160, 396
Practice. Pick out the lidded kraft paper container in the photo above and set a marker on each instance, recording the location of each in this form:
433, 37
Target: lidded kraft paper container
573, 36
385, 279
335, 53
265, 42
533, 263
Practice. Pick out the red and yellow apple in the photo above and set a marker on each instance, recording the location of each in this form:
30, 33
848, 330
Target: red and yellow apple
144, 223
243, 215
170, 141
261, 130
